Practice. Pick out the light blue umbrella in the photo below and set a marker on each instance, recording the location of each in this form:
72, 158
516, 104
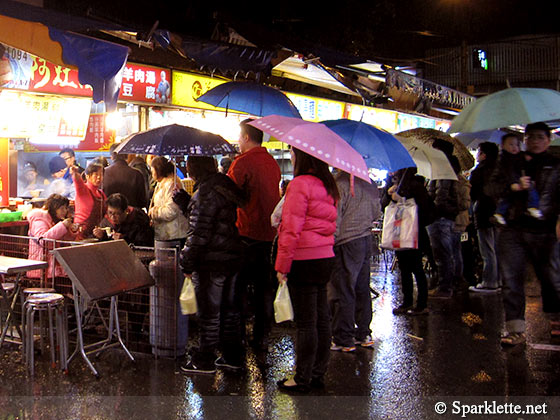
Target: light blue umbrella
380, 149
252, 98
472, 140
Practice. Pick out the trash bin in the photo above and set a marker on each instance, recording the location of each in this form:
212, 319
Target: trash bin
168, 326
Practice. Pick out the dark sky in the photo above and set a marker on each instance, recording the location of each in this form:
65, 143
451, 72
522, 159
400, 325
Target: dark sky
374, 28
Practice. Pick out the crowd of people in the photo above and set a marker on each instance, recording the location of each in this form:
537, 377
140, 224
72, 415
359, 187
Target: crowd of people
240, 237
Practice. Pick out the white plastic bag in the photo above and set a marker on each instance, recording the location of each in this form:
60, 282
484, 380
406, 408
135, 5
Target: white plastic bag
283, 310
400, 225
188, 297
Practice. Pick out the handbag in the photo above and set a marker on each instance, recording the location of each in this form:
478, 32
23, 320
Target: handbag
283, 310
187, 299
400, 225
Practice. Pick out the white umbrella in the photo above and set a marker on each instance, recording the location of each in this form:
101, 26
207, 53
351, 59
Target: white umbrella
431, 163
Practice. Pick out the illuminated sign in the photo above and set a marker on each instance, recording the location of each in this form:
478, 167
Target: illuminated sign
380, 118
480, 59
317, 109
145, 84
187, 88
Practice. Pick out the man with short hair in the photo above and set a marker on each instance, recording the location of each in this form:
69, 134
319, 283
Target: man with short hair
528, 239
121, 178
70, 159
257, 174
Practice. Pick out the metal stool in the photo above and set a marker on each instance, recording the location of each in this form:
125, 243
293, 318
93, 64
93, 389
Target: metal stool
9, 289
48, 302
25, 293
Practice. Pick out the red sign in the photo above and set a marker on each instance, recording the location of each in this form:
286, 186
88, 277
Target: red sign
145, 84
50, 78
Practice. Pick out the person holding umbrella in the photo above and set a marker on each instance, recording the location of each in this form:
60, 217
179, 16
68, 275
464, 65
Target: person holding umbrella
305, 260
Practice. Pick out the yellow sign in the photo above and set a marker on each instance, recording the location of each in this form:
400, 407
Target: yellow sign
188, 87
380, 118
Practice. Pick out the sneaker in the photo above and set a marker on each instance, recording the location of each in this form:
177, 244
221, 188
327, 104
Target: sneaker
512, 339
480, 288
440, 294
223, 363
191, 367
366, 342
535, 212
343, 349
498, 218
418, 311
401, 310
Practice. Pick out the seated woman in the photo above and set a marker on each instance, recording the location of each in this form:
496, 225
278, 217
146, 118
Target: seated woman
125, 222
49, 222
90, 199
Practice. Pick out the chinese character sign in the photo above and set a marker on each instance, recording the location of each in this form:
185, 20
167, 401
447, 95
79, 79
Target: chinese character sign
146, 84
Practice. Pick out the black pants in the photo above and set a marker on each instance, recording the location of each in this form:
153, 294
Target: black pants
307, 282
410, 262
219, 312
258, 287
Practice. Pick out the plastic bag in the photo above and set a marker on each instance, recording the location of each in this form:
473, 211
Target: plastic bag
187, 299
283, 310
400, 225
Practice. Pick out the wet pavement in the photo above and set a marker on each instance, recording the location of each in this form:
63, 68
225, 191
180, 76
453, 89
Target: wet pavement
450, 356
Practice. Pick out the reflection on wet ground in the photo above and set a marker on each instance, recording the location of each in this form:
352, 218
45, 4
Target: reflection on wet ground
452, 352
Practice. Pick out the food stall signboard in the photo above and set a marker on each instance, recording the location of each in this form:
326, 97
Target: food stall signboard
187, 88
317, 109
145, 84
380, 118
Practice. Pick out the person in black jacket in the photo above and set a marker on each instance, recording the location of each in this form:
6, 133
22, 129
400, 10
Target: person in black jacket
125, 222
483, 209
406, 184
212, 256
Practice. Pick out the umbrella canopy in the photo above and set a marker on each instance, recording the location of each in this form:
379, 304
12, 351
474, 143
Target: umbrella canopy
317, 140
253, 98
428, 135
175, 140
472, 140
379, 149
431, 163
513, 106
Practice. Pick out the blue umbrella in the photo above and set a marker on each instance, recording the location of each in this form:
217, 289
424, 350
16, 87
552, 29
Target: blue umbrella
252, 98
472, 140
175, 140
380, 149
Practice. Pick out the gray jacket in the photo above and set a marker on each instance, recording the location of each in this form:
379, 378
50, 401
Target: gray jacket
357, 213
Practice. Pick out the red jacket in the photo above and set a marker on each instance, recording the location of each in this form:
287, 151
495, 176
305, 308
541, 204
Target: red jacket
89, 205
258, 175
308, 223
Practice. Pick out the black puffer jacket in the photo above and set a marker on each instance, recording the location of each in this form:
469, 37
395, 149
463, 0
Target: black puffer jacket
483, 205
213, 242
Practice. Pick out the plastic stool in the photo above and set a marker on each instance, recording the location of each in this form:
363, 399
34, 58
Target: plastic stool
48, 302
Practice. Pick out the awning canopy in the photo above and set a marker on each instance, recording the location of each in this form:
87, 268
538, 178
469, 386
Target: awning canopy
99, 63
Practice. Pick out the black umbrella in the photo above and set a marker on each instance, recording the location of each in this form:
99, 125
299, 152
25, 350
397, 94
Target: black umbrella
175, 140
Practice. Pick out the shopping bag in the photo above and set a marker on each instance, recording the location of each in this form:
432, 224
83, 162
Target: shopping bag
187, 299
283, 310
400, 225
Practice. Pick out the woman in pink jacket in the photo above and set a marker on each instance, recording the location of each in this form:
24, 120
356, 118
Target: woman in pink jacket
49, 222
305, 260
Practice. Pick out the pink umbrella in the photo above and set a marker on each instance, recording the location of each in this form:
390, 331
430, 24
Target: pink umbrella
317, 140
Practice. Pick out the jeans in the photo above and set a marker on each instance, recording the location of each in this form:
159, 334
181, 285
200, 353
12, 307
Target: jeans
487, 246
219, 312
515, 249
348, 292
442, 239
457, 257
410, 262
257, 276
308, 292
532, 202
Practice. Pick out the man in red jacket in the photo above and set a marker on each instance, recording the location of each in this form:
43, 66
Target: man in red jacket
258, 175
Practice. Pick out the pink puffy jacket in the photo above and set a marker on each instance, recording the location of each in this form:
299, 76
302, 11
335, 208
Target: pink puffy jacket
41, 226
308, 223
